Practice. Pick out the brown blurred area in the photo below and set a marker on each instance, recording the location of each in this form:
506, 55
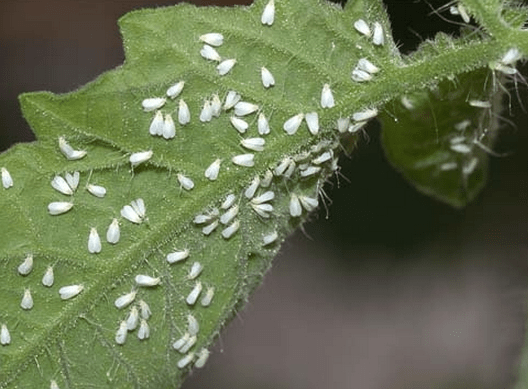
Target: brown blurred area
393, 290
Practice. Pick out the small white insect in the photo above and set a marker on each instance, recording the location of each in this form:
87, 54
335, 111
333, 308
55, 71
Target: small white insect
187, 346
195, 271
362, 27
378, 38
327, 98
210, 228
365, 115
462, 12
121, 334
68, 151
60, 185
367, 66
203, 356
58, 208
480, 104
255, 144
153, 103
193, 327
282, 166
342, 124
229, 201
216, 106
135, 212
268, 15
267, 78
195, 292
70, 291
448, 166
207, 112
312, 121
212, 171
7, 180
113, 233
144, 330
144, 280
177, 256
225, 66
185, 360
470, 167
54, 385
27, 300
231, 230
94, 242
324, 157
96, 190
175, 89
229, 215
26, 266
243, 108
360, 75
292, 124
49, 278
309, 203
184, 115
457, 139
355, 127
263, 210
5, 336
169, 129
252, 188
132, 319
245, 160
266, 180
177, 345
239, 124
460, 148
208, 298
212, 38
263, 125
263, 198
511, 56
210, 54
231, 99
407, 103
125, 300
72, 180
310, 171
289, 171
185, 182
270, 238
144, 310
463, 125
295, 206
140, 157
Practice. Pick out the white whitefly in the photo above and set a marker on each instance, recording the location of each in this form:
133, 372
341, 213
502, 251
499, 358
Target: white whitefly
48, 278
282, 166
59, 207
225, 66
324, 157
139, 206
7, 180
70, 291
312, 121
94, 242
144, 310
270, 238
140, 157
208, 297
195, 271
169, 129
365, 114
229, 215
190, 343
177, 345
367, 66
342, 124
210, 228
309, 203
463, 13
229, 231
216, 106
245, 160
231, 99
362, 27
195, 292
243, 108
511, 56
460, 148
355, 127
144, 330
212, 38
448, 166
457, 139
263, 125
206, 115
113, 233
203, 356
153, 103
121, 334
156, 125
292, 124
255, 144
144, 280
310, 171
252, 188
268, 15
72, 180
26, 266
185, 182
175, 89
69, 152
263, 210
407, 103
125, 300
327, 98
266, 180
177, 256
5, 336
480, 104
193, 326
184, 115
27, 300
470, 167
131, 215
295, 206
267, 78
54, 385
291, 168
210, 53
229, 201
132, 319
378, 37
96, 190
212, 171
60, 185
359, 75
185, 360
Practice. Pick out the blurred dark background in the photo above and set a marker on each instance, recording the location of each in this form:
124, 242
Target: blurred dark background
391, 290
